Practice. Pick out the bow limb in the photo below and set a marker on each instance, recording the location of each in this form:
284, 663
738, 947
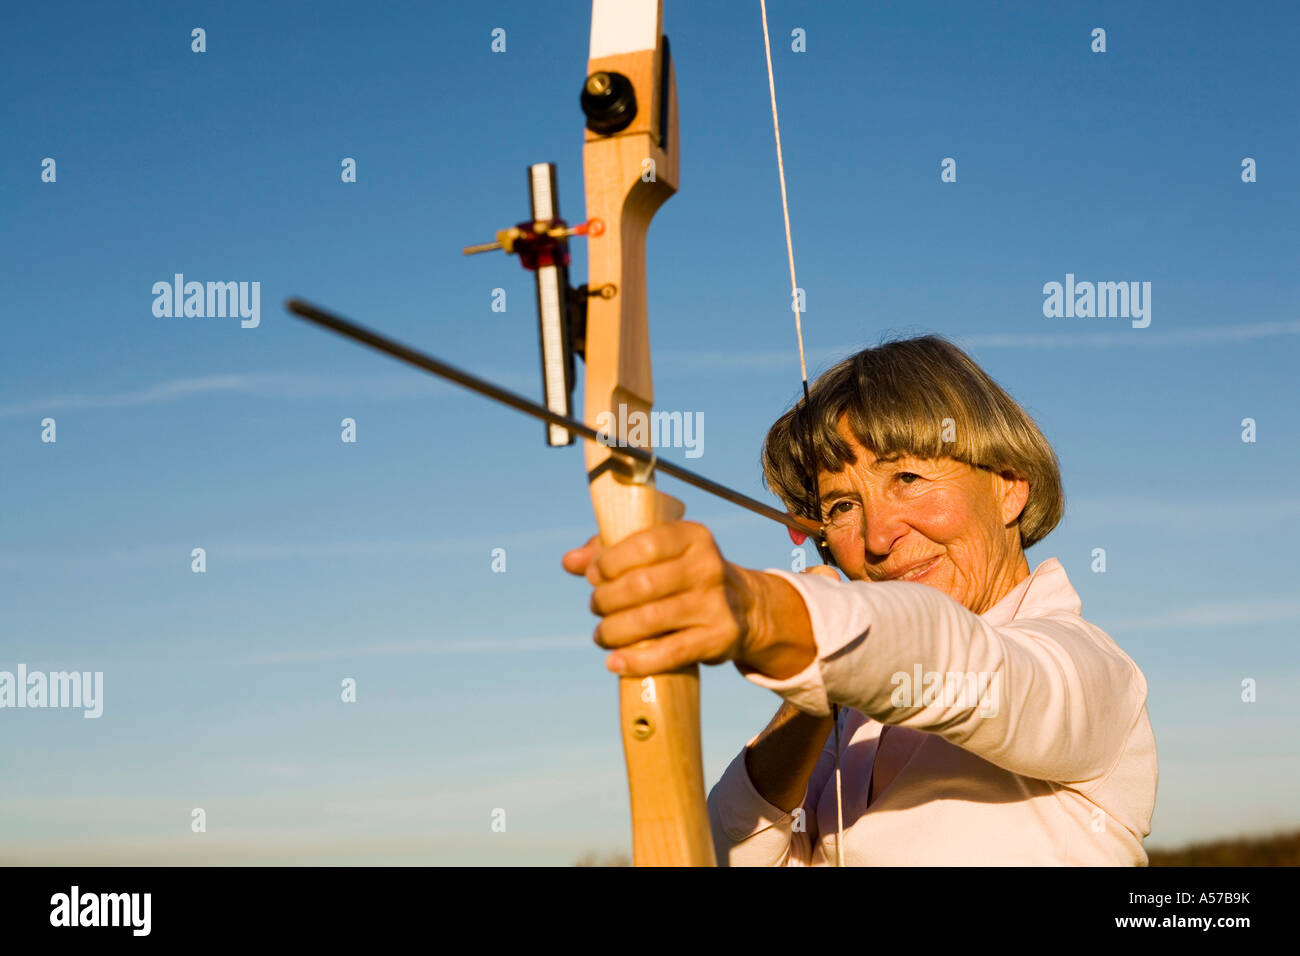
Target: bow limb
630, 170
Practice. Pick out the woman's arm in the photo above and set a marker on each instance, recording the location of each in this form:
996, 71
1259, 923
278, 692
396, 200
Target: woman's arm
773, 822
781, 759
1049, 696
755, 808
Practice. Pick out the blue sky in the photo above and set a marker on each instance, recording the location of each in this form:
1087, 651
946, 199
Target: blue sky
372, 560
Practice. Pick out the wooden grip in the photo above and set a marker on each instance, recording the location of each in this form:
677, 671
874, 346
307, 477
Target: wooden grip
659, 716
661, 737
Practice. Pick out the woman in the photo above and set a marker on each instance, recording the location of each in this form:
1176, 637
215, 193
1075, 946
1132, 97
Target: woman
983, 720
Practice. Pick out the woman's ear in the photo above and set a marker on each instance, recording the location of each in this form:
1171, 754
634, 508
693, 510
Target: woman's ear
1013, 493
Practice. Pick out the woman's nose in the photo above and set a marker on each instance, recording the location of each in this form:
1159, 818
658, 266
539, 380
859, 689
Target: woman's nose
882, 527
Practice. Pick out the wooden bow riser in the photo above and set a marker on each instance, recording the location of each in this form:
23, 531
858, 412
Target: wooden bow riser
660, 716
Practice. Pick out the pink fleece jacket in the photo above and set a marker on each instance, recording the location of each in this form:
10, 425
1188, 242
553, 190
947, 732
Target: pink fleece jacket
1018, 737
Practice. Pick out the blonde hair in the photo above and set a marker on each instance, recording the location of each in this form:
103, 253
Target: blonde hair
923, 397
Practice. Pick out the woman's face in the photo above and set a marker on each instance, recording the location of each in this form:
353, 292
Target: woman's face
938, 522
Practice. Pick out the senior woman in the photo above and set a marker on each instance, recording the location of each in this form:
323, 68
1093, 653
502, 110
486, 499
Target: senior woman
982, 719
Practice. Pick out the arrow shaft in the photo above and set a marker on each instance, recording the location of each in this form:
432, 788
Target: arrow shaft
473, 383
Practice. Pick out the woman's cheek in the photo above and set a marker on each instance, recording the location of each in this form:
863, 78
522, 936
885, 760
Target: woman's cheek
849, 554
942, 517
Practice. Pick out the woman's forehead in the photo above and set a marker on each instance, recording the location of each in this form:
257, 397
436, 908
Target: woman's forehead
864, 456
866, 461
868, 464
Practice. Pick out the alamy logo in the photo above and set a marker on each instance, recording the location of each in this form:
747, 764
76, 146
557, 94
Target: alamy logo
102, 909
82, 689
213, 300
968, 690
1100, 300
655, 429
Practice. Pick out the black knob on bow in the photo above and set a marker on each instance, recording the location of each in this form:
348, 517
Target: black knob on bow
609, 102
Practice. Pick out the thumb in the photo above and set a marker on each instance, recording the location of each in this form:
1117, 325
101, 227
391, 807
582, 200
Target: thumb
825, 570
577, 560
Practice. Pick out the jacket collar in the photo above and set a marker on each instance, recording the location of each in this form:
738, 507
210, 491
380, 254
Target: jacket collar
1046, 590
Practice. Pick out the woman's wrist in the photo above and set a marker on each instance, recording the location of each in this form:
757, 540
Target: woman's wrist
778, 642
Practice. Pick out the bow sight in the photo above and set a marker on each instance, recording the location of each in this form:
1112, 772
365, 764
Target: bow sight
542, 245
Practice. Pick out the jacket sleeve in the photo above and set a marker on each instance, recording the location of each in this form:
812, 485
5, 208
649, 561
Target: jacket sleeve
1049, 697
749, 831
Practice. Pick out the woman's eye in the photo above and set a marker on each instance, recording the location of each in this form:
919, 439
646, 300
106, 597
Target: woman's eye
907, 477
838, 510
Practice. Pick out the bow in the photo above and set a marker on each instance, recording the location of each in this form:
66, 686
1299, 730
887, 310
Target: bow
630, 161
630, 166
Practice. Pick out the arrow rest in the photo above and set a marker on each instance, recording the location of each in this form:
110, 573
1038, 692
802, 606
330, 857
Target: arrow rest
542, 245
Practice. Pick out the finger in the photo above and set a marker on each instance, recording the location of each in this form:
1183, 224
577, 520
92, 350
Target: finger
662, 542
577, 560
681, 612
650, 583
669, 654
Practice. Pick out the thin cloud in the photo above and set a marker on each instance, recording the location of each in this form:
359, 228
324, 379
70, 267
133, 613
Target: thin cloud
300, 386
153, 395
398, 384
1130, 337
476, 645
1127, 337
248, 552
1234, 614
1189, 517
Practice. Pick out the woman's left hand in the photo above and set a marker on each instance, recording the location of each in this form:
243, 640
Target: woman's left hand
668, 599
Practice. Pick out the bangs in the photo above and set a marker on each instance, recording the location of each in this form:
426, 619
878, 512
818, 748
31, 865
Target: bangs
922, 397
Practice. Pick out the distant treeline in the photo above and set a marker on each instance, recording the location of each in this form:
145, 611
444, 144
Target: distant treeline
1281, 849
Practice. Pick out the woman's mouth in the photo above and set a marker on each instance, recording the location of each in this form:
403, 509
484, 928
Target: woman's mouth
919, 571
